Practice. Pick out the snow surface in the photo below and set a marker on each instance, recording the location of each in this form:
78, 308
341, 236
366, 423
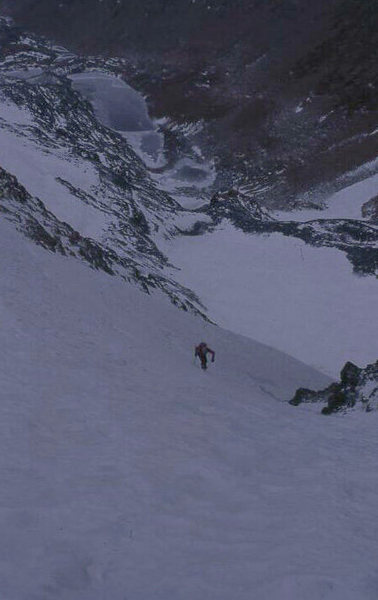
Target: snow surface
127, 472
26, 74
303, 300
10, 113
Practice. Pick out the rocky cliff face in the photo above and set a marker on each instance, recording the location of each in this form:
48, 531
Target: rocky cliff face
71, 184
77, 187
357, 388
284, 90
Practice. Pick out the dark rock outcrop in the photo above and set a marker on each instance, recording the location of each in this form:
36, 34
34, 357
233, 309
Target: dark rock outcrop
357, 386
370, 210
234, 204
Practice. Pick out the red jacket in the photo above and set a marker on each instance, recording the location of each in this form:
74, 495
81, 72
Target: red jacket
203, 349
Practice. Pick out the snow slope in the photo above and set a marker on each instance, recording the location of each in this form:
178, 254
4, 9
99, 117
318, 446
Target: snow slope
301, 299
41, 172
128, 473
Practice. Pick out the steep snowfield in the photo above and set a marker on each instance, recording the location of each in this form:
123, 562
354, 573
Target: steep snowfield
301, 299
127, 472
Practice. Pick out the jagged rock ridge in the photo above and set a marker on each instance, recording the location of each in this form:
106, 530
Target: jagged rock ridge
357, 387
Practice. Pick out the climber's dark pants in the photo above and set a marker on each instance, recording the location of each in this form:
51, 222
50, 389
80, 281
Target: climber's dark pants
203, 360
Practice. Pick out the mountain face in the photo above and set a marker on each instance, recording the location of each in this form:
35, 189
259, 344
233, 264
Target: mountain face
126, 470
284, 90
87, 173
68, 182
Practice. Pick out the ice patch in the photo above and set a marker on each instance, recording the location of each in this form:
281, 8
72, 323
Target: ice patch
115, 103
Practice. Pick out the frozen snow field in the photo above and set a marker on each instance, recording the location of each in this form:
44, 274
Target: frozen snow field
116, 104
127, 473
301, 299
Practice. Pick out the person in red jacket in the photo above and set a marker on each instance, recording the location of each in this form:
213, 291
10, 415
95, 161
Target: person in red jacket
202, 350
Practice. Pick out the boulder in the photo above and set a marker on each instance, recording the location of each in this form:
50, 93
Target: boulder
369, 210
357, 386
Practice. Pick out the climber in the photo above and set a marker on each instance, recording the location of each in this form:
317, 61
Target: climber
201, 351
